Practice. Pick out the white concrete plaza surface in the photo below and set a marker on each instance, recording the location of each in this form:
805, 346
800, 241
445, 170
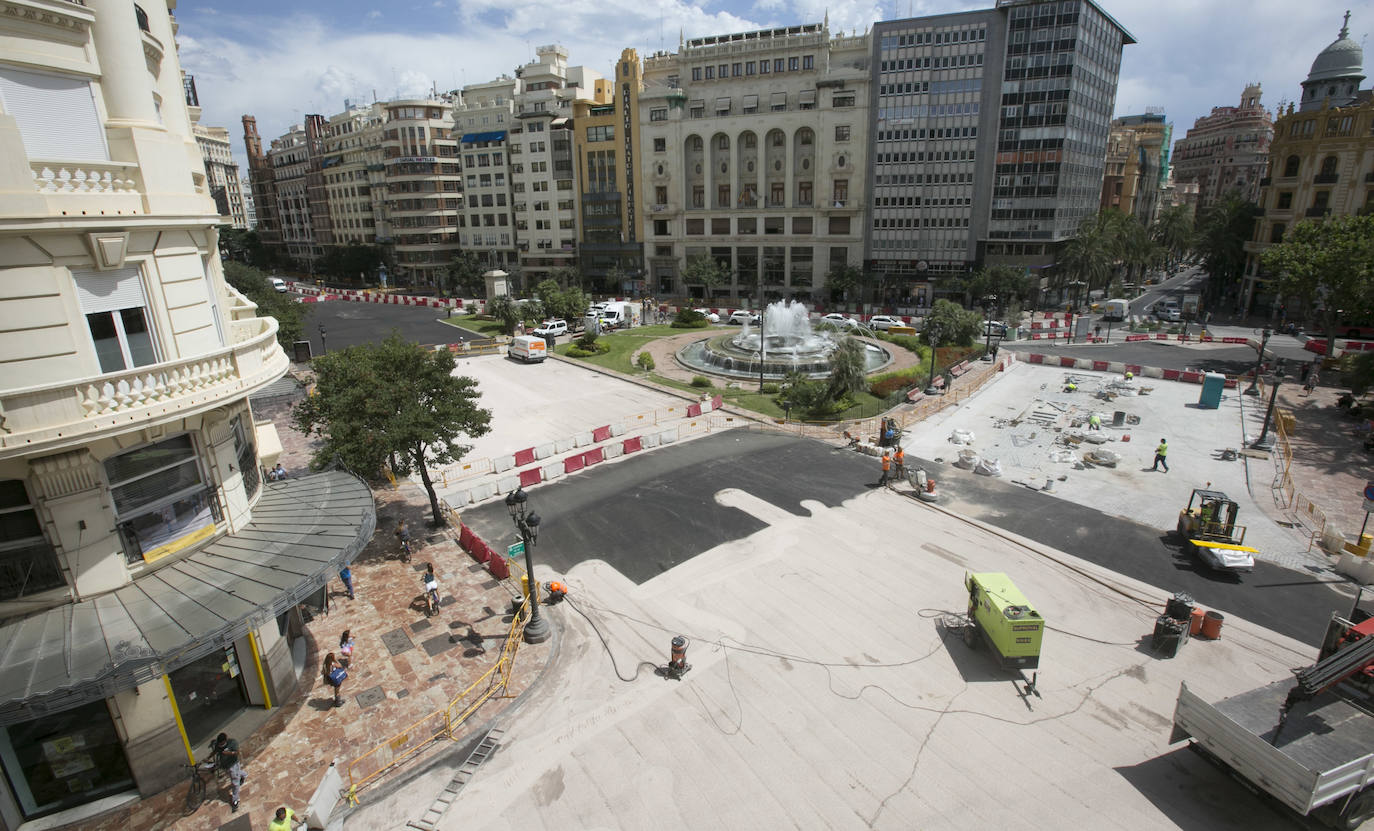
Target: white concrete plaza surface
532, 404
827, 691
1033, 396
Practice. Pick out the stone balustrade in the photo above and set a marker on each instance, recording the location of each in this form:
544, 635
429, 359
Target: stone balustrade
51, 176
56, 415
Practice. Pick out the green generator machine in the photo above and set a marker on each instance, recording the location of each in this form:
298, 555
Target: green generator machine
1000, 616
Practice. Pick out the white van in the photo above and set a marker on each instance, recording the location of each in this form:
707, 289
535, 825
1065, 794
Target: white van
1116, 309
619, 315
278, 283
528, 348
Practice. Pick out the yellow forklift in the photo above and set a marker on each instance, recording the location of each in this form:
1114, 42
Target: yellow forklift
1001, 617
1208, 527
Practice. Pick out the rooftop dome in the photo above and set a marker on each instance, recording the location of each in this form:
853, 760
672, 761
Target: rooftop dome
1342, 59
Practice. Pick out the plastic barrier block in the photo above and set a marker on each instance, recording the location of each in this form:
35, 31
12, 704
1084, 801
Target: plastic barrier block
1170, 374
465, 537
531, 476
613, 451
479, 552
524, 457
582, 439
552, 471
667, 436
717, 401
1064, 360
1133, 338
693, 410
563, 445
501, 464
543, 451
593, 456
1231, 383
601, 433
1036, 359
633, 445
506, 484
650, 440
1190, 377
1100, 366
1134, 369
617, 429
706, 407
498, 568
572, 464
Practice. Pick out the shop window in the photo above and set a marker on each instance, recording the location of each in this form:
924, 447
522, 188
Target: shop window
64, 759
27, 563
161, 502
209, 692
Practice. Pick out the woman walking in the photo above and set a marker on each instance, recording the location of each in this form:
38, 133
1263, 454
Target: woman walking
346, 650
334, 676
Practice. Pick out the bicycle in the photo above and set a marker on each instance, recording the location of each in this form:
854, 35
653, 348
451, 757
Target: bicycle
431, 601
195, 795
405, 549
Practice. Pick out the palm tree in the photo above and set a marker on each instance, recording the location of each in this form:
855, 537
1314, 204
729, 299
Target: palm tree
1174, 231
1088, 256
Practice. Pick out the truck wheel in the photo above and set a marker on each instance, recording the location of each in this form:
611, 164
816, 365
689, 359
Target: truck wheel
1358, 811
971, 635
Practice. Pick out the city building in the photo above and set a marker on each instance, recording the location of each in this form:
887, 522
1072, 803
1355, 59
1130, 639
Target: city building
989, 133
1321, 161
353, 171
608, 173
149, 577
423, 188
220, 167
1227, 150
754, 152
1137, 168
250, 208
1175, 193
484, 118
262, 188
288, 162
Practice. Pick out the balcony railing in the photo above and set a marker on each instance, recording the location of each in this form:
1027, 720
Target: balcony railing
85, 177
1319, 210
1325, 179
43, 418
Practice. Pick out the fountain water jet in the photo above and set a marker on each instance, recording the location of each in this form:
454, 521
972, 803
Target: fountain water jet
789, 344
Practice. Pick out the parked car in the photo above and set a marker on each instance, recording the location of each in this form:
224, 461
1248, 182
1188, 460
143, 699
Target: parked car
755, 319
552, 327
995, 329
278, 283
739, 316
884, 322
840, 321
711, 317
1167, 312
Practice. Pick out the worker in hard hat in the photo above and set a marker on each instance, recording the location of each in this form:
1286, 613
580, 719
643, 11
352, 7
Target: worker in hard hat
556, 591
887, 469
1070, 387
1094, 422
1129, 375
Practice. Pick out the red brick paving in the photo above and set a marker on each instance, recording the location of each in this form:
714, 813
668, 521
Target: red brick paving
1330, 465
287, 757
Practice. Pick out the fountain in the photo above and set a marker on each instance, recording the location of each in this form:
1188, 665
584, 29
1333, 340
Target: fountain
788, 344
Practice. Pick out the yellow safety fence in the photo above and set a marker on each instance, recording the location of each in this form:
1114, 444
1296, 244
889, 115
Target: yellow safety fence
445, 723
1285, 489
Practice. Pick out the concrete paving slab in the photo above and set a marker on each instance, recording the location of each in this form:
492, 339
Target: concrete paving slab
830, 688
1002, 417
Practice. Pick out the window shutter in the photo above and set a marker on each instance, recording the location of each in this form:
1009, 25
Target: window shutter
109, 291
751, 101
56, 115
807, 96
779, 99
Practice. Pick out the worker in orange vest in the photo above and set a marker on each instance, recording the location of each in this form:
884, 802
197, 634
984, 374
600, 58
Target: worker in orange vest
887, 468
899, 459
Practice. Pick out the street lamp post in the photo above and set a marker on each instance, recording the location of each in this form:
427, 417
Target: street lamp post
1269, 414
1253, 389
324, 348
537, 628
933, 336
989, 306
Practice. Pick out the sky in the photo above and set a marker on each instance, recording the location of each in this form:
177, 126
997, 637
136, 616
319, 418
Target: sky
281, 60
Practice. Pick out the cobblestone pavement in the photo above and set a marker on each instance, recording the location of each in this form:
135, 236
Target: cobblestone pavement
1330, 465
428, 663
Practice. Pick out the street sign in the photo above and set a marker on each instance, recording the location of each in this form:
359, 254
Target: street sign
1369, 490
515, 549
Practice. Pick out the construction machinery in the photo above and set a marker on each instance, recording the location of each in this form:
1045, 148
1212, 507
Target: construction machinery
1308, 741
1000, 616
1208, 527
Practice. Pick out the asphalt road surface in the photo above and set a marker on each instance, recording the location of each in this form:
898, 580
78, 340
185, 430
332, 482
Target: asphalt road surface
349, 324
1229, 359
647, 514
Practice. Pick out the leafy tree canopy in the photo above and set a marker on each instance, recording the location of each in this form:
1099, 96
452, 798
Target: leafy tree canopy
950, 324
252, 283
705, 271
842, 279
391, 401
1221, 236
1328, 265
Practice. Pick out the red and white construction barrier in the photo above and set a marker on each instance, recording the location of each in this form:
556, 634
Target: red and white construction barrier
1187, 376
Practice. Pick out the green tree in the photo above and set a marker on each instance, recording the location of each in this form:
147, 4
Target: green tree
252, 284
705, 271
952, 324
465, 275
1328, 265
506, 311
1173, 230
1358, 373
846, 370
352, 262
391, 400
841, 280
1221, 236
1138, 251
1010, 285
1089, 256
244, 246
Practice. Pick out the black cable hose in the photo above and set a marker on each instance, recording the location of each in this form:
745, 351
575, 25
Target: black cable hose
606, 645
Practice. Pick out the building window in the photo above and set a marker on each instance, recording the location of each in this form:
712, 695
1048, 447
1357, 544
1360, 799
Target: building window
660, 145
65, 759
116, 317
839, 225
841, 132
722, 196
696, 73
808, 61
1276, 233
710, 72
777, 65
661, 228
1285, 200
841, 192
763, 67
658, 114
698, 196
724, 70
1290, 167
803, 194
161, 502
661, 194
27, 563
793, 64
248, 457
696, 227
56, 115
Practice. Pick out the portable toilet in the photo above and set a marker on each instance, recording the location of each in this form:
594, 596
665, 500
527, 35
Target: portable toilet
1213, 384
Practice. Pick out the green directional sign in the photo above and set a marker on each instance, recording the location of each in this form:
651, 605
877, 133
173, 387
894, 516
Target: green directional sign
515, 549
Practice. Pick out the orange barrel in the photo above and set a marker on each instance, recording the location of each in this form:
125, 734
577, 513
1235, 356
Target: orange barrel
1195, 624
1211, 625
679, 652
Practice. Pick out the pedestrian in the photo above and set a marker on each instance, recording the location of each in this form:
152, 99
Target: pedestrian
279, 472
887, 468
403, 539
334, 676
1311, 383
1097, 332
899, 461
226, 752
346, 575
285, 820
1160, 453
346, 650
431, 584
1304, 372
1094, 422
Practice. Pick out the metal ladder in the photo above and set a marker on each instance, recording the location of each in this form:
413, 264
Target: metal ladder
483, 751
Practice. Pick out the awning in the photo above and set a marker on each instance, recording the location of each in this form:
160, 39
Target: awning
806, 96
751, 101
778, 99
303, 531
474, 138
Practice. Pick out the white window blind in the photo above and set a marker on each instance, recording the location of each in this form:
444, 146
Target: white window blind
109, 291
751, 101
722, 105
56, 115
807, 96
779, 99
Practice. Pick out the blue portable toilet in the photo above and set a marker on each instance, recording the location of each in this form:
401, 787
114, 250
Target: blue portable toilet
1213, 384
